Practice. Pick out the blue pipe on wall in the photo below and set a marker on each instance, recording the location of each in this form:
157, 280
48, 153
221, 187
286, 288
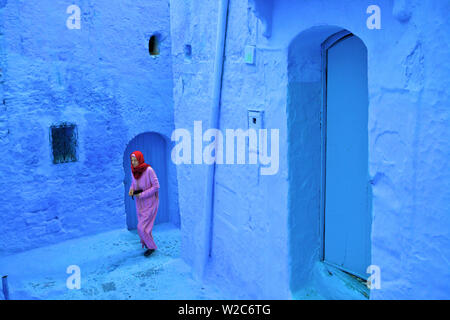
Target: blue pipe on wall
215, 116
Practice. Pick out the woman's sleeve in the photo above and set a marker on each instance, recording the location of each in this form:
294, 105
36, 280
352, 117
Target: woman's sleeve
151, 175
132, 183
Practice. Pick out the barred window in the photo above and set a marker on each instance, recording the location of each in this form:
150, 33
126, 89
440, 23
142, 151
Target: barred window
63, 138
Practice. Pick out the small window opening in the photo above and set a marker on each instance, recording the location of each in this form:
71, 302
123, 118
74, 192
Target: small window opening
153, 45
254, 120
188, 51
63, 139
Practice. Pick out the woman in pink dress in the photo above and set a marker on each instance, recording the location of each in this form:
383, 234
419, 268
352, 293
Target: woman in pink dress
144, 178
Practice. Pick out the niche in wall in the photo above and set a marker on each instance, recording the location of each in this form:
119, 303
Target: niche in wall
153, 45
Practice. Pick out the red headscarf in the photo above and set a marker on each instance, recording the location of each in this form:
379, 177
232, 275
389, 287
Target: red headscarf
138, 170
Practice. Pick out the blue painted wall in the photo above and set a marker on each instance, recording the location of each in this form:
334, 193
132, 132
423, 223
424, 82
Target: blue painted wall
101, 78
266, 235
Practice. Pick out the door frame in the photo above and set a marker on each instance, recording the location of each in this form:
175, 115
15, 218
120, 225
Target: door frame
163, 191
327, 44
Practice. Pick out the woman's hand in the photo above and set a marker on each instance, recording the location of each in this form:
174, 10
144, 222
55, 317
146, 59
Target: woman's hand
130, 193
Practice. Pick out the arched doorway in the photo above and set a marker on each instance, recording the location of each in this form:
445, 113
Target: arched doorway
153, 146
321, 231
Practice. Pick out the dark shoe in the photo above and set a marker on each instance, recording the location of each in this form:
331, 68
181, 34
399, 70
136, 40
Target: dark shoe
148, 252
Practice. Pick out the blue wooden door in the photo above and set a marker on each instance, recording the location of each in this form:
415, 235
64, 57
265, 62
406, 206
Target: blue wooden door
153, 147
347, 214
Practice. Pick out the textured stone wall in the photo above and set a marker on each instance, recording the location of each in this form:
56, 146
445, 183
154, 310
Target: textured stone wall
265, 236
253, 241
100, 77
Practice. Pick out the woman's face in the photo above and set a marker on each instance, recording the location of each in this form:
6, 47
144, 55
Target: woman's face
134, 161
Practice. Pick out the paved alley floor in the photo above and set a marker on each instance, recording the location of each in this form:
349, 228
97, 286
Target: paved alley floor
112, 266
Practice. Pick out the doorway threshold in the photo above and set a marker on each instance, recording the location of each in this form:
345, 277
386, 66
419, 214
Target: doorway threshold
349, 280
328, 282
